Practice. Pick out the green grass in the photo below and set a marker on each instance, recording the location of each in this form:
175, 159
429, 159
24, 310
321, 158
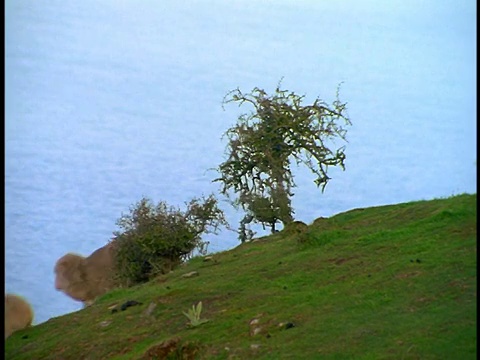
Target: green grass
388, 282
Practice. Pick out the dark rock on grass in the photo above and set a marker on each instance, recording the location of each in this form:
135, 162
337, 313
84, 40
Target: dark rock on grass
126, 305
129, 303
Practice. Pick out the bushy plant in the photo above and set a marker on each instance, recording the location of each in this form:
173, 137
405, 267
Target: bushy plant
156, 238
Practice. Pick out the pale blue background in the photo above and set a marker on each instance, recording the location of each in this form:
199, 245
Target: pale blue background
109, 101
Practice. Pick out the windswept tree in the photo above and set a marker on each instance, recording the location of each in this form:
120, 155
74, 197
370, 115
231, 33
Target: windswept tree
262, 146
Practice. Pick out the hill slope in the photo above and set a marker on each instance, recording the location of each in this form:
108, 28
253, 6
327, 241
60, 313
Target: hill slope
387, 282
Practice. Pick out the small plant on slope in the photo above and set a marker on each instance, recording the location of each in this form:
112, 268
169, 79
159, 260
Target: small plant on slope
194, 315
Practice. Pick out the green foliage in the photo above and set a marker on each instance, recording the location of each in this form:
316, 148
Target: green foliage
155, 239
194, 314
264, 143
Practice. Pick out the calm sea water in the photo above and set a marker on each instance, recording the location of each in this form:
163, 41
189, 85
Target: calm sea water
109, 101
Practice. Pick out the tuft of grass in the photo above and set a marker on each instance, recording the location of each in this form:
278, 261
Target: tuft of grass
387, 282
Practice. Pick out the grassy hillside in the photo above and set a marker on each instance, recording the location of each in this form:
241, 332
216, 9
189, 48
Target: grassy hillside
389, 282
